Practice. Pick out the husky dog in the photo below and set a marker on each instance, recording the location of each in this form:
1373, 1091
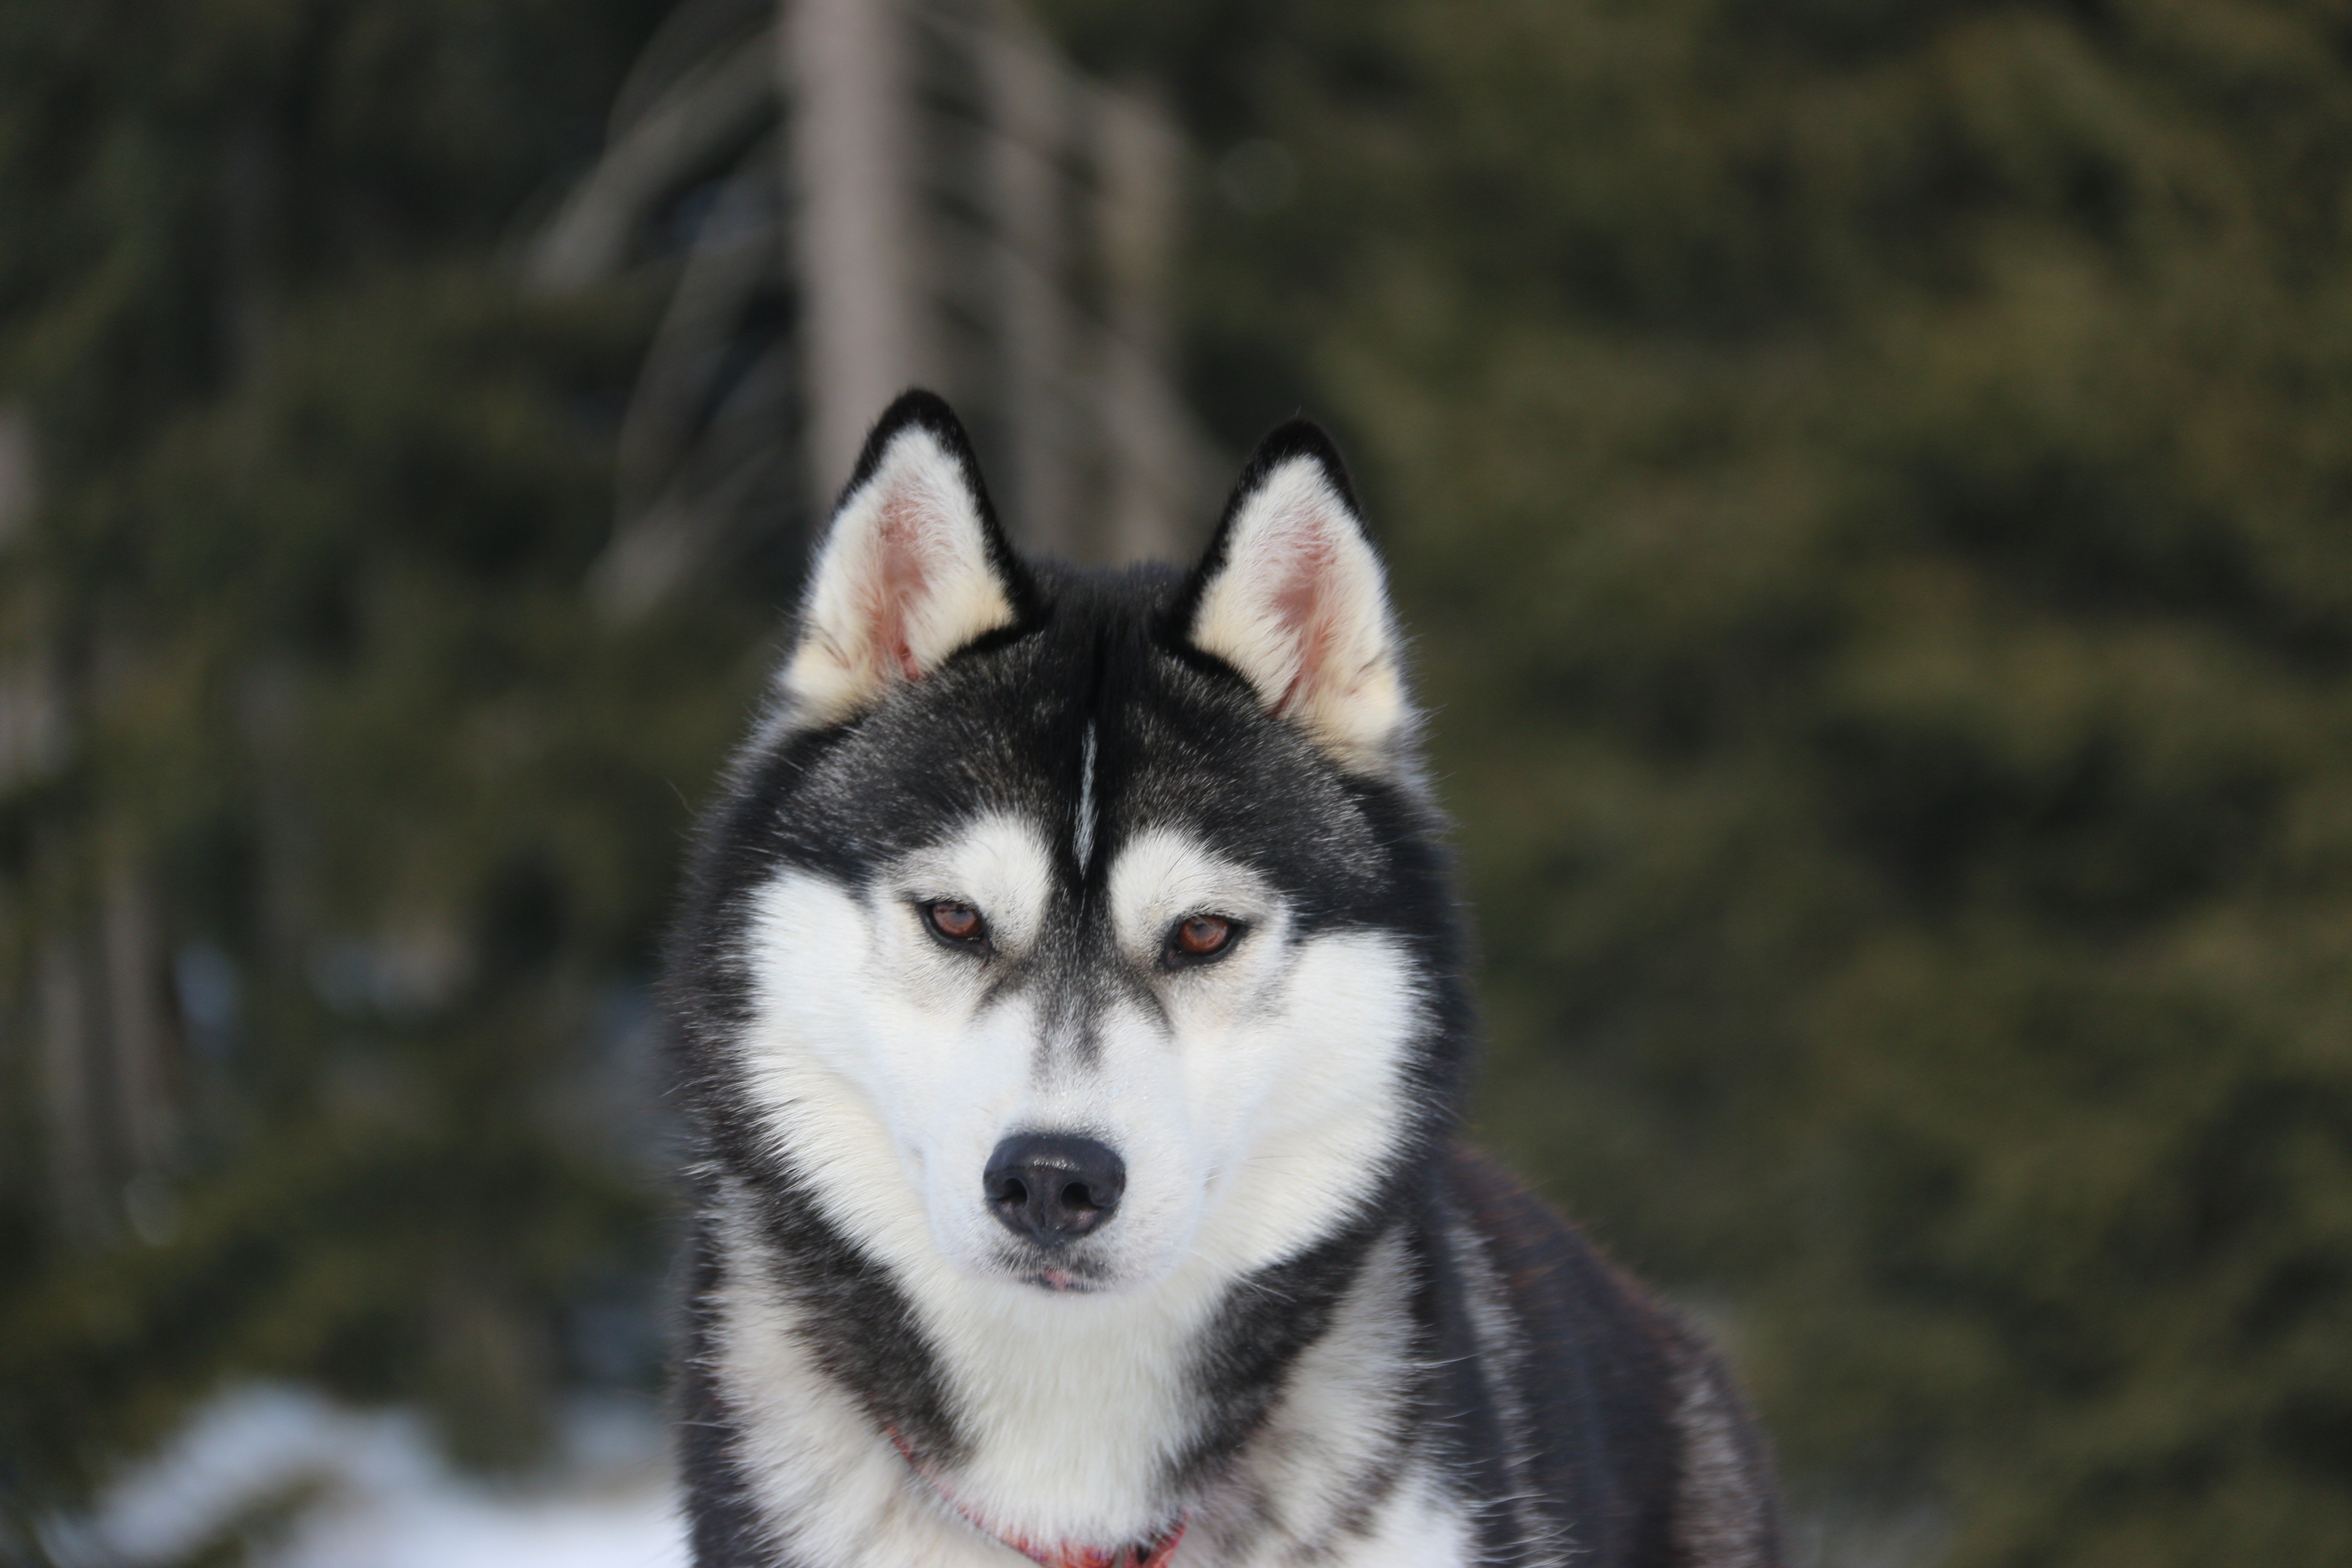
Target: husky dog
1069, 992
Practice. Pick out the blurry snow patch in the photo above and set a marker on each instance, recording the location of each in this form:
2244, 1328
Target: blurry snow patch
1864, 1529
301, 1482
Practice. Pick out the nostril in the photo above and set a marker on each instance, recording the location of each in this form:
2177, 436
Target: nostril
1054, 1188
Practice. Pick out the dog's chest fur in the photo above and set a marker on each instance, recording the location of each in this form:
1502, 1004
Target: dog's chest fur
1484, 1391
1332, 1474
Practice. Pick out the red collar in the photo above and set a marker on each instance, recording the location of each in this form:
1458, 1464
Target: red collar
1153, 1553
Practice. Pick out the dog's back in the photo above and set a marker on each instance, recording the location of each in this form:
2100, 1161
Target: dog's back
1617, 1430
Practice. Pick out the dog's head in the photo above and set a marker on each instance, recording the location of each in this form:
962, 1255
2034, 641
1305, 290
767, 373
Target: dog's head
1061, 928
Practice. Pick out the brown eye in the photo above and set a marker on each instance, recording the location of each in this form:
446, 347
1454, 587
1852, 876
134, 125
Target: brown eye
1202, 936
955, 921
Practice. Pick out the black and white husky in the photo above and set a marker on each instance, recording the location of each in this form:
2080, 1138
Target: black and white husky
1070, 996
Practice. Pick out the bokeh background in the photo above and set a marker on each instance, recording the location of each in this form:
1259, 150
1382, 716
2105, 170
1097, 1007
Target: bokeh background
1871, 482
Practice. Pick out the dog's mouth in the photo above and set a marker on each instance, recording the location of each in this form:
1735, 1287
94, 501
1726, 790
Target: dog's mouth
1062, 1276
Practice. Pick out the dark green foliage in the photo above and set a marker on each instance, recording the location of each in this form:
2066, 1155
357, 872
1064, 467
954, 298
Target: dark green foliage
1873, 483
320, 484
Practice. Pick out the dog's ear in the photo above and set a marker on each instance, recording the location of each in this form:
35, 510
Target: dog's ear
913, 567
1292, 595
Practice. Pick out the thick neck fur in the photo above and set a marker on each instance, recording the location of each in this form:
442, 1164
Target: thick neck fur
1087, 1422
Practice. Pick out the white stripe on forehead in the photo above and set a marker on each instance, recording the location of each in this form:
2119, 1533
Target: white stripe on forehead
1085, 837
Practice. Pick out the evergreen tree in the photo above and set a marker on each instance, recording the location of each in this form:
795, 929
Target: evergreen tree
350, 824
1871, 480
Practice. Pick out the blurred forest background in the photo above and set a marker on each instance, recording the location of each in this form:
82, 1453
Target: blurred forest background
1871, 480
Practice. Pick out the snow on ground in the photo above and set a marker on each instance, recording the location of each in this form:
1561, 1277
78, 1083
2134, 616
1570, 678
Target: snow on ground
319, 1485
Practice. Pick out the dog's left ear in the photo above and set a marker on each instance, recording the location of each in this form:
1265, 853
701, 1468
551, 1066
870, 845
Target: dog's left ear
1292, 595
913, 567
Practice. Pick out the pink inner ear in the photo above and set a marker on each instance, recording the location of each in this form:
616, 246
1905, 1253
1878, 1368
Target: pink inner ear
898, 576
1303, 603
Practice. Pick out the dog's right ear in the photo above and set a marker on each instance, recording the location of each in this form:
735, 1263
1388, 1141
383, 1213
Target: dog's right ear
913, 567
1291, 595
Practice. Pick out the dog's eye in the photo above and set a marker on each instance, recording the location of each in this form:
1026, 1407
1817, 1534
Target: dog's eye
1201, 936
955, 921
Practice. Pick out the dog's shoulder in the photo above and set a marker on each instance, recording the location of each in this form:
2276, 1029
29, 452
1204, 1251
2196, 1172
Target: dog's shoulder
1634, 1429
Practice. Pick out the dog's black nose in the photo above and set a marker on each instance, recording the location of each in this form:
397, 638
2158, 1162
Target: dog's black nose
1052, 1188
